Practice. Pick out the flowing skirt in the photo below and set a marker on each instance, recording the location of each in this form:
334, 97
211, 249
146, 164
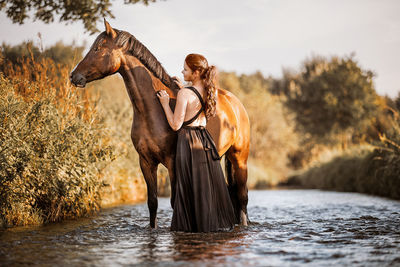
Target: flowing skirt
202, 202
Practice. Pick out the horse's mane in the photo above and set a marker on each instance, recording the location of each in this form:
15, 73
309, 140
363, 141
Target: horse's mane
137, 49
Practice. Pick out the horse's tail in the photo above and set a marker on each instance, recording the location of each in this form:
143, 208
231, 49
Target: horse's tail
232, 188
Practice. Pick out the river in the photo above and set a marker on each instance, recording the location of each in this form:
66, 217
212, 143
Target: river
288, 228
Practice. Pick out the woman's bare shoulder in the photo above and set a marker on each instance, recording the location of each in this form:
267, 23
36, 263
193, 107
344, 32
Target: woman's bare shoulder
184, 91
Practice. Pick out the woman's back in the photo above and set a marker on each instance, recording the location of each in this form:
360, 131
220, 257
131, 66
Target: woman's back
193, 107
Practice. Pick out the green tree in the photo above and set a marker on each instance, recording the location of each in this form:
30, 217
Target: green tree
86, 11
331, 97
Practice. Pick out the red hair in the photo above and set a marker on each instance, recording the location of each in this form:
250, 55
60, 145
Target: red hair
208, 75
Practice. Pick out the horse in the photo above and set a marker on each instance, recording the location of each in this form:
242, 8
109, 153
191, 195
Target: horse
116, 51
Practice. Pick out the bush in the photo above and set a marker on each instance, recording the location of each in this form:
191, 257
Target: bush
386, 157
52, 146
371, 171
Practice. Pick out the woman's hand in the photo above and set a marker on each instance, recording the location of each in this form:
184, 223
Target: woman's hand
178, 81
163, 97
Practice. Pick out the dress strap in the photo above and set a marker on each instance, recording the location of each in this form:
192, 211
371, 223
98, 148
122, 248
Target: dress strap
201, 109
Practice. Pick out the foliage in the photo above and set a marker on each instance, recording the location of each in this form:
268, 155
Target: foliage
52, 146
330, 98
88, 11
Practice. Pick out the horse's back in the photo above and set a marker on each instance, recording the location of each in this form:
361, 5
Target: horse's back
230, 127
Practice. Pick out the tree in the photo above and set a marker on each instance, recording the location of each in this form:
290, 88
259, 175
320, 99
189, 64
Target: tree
87, 11
333, 97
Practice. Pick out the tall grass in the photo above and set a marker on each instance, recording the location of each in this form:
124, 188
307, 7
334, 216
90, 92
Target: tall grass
53, 146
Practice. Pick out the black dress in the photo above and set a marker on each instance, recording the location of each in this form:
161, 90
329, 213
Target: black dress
202, 202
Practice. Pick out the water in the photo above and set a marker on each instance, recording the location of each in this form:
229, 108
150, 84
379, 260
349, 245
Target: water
289, 228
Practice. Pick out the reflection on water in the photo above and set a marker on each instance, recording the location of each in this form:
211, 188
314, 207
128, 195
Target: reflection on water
289, 228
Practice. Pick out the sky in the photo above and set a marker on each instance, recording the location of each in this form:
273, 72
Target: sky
247, 35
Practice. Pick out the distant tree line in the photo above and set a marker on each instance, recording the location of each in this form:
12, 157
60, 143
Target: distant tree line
59, 52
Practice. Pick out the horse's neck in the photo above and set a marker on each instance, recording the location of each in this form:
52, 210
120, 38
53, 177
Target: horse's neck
131, 87
141, 93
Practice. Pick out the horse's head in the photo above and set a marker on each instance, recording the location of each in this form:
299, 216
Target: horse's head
103, 59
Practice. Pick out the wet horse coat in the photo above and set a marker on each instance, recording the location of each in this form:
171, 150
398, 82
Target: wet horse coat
118, 51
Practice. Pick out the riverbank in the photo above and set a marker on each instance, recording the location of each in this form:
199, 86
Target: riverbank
370, 170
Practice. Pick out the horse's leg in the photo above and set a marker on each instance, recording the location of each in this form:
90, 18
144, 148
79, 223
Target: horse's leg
149, 170
171, 171
239, 165
232, 188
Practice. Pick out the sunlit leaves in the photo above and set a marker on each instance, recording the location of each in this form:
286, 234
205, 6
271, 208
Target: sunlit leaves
88, 12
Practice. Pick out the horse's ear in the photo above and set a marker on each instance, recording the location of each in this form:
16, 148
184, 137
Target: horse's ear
110, 31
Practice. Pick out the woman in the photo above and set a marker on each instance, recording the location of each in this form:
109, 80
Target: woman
202, 202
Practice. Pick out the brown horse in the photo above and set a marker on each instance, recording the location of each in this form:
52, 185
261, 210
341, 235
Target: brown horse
118, 51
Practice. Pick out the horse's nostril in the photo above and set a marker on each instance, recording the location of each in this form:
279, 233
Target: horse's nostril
77, 79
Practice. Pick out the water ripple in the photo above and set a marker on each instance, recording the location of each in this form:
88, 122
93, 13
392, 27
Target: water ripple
288, 228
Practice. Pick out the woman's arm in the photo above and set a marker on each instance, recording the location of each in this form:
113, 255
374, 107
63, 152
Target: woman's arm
175, 119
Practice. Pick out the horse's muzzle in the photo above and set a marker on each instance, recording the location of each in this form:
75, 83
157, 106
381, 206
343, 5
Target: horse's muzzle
77, 79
